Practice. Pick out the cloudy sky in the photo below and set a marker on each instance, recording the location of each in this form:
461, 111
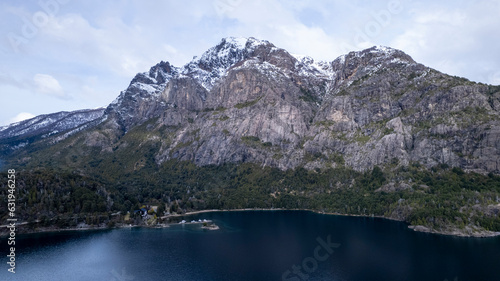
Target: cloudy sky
61, 55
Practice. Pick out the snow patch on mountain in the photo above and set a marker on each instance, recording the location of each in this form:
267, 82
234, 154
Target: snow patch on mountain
49, 124
215, 62
149, 84
236, 52
307, 66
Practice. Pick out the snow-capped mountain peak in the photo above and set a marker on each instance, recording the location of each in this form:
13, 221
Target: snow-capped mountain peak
214, 63
149, 84
308, 66
230, 53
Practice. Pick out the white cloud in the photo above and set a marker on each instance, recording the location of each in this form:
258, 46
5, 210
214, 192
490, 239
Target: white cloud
447, 17
495, 78
460, 40
48, 85
7, 79
20, 117
277, 22
110, 43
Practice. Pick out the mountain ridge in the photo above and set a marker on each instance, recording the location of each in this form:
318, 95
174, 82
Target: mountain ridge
361, 106
23, 133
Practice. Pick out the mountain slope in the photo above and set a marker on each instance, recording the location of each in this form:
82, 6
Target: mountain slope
24, 133
246, 100
249, 125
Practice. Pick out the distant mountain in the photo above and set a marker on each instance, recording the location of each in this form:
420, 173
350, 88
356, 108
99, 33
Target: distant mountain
21, 134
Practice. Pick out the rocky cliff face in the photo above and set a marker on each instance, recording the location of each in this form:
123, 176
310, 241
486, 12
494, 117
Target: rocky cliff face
245, 100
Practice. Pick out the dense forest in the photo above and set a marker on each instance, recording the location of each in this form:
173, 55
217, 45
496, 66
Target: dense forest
442, 198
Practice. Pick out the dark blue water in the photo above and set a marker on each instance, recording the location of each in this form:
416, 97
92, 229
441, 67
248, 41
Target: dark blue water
256, 245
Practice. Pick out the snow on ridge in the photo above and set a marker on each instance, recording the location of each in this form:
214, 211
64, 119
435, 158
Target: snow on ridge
214, 63
264, 67
341, 59
396, 55
117, 100
148, 84
45, 119
207, 69
308, 66
30, 121
31, 124
240, 42
60, 121
151, 89
384, 49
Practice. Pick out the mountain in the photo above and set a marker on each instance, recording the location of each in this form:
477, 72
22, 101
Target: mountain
21, 134
246, 100
381, 121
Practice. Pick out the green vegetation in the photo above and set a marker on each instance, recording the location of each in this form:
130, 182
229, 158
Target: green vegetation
223, 118
412, 76
325, 123
361, 138
277, 156
343, 93
61, 199
90, 186
465, 118
360, 80
247, 103
493, 89
308, 96
250, 139
182, 145
337, 158
254, 141
471, 116
388, 131
312, 156
339, 136
438, 198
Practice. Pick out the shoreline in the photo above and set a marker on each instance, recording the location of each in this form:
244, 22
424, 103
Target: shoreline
417, 228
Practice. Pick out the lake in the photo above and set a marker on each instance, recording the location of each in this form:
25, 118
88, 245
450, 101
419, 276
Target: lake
256, 245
